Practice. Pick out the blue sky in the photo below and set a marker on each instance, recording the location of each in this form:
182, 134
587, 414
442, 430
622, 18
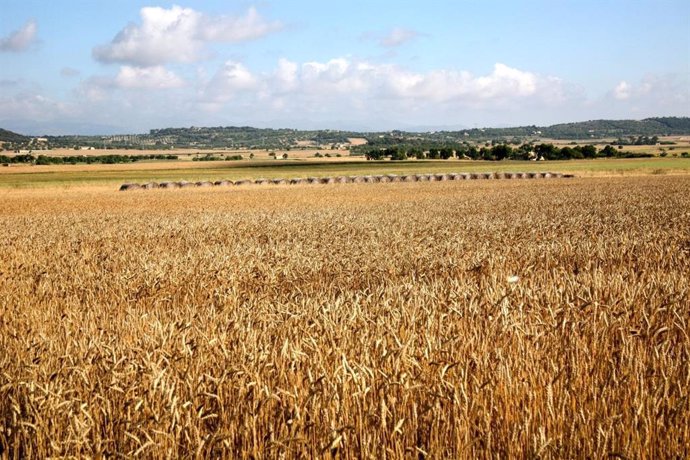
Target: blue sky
129, 66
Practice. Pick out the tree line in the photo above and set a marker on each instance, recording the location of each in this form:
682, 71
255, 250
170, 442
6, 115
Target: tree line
77, 159
499, 152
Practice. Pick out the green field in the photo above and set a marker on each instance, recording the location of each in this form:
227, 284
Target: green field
69, 176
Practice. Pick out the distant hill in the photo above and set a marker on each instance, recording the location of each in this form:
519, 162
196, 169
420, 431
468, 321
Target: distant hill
269, 138
9, 136
618, 128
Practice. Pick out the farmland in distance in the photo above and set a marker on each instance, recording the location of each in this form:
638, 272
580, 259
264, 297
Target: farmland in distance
441, 320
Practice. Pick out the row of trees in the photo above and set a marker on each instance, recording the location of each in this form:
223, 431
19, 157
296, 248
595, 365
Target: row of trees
499, 152
212, 157
95, 159
639, 140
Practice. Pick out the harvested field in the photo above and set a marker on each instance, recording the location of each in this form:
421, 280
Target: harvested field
26, 176
467, 319
343, 180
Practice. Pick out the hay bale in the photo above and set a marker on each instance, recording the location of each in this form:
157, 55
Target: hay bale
185, 184
422, 178
558, 175
125, 187
296, 181
222, 183
357, 179
328, 180
381, 178
442, 177
342, 180
409, 178
168, 185
369, 179
261, 181
150, 185
393, 178
241, 182
568, 176
454, 176
278, 182
204, 183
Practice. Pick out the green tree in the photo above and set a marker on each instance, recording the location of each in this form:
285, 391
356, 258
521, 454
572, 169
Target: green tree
608, 151
501, 151
446, 153
396, 153
588, 151
374, 154
546, 151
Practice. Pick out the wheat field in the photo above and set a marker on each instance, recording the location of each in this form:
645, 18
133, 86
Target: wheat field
502, 319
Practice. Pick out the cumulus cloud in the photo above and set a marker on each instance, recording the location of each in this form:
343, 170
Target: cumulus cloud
362, 88
29, 104
20, 40
179, 35
157, 77
327, 92
129, 79
231, 80
385, 81
653, 94
622, 90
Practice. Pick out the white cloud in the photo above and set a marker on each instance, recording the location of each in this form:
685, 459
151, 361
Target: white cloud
231, 80
20, 40
653, 95
393, 38
95, 89
345, 87
340, 92
505, 81
157, 77
398, 36
236, 29
285, 76
343, 76
622, 90
69, 72
179, 35
30, 104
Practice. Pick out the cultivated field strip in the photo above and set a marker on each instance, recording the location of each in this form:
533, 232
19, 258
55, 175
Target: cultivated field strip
540, 319
351, 179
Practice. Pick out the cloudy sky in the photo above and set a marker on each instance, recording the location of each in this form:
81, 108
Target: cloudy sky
91, 66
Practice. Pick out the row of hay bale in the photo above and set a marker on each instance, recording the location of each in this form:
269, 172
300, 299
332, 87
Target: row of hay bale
351, 179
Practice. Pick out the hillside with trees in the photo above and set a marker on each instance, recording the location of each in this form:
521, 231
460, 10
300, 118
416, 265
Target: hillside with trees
230, 137
663, 126
9, 136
